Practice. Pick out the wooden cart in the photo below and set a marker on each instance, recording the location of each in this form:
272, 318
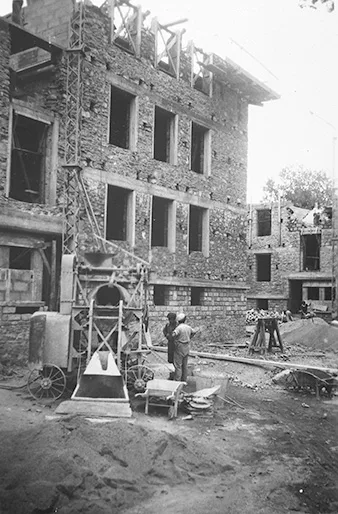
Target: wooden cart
163, 393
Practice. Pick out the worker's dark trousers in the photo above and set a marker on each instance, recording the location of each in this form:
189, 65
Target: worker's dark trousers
181, 361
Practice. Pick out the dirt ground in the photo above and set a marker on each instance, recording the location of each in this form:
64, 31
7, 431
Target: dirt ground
275, 452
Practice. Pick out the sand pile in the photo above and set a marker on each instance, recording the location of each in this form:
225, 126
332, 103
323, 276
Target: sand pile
97, 469
313, 333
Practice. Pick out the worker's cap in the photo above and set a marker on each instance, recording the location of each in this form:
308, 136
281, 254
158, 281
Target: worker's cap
180, 316
171, 315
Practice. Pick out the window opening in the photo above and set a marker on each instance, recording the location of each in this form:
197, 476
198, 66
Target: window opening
28, 159
311, 252
313, 293
263, 267
195, 229
117, 213
161, 295
159, 225
327, 293
262, 304
120, 118
197, 295
163, 135
264, 222
198, 148
19, 257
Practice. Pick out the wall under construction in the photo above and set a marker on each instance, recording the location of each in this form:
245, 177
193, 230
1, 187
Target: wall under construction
290, 258
164, 158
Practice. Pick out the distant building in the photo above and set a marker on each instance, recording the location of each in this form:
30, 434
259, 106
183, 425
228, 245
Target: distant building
289, 258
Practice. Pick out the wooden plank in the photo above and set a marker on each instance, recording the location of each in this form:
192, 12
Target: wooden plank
97, 409
254, 362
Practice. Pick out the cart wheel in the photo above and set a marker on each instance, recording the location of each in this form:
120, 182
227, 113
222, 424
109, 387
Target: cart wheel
47, 383
137, 378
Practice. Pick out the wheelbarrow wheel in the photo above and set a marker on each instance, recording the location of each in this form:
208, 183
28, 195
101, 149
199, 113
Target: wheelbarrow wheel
137, 378
48, 383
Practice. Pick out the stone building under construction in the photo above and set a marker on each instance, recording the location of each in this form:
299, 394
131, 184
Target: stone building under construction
290, 258
160, 129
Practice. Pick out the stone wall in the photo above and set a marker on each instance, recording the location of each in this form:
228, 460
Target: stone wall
4, 99
222, 193
49, 19
221, 271
285, 247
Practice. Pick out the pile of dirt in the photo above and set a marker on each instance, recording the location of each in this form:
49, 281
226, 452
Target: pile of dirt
90, 467
312, 333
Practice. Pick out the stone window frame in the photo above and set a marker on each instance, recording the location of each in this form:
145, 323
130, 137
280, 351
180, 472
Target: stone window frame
133, 115
206, 171
205, 235
264, 226
201, 296
165, 290
173, 135
171, 223
51, 158
130, 213
257, 256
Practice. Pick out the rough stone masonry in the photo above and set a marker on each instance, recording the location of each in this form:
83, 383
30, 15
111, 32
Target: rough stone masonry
168, 185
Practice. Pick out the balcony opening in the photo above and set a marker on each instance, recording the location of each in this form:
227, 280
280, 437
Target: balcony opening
263, 262
117, 218
200, 148
122, 118
164, 136
27, 173
195, 229
264, 222
311, 252
159, 222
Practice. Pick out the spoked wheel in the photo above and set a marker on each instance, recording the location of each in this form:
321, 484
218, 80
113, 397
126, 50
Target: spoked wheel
137, 378
48, 383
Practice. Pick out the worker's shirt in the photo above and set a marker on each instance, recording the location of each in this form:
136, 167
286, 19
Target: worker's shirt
183, 333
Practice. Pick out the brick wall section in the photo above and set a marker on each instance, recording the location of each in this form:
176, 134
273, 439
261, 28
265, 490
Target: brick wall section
4, 98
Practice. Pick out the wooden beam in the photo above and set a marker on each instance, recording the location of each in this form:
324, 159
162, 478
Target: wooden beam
253, 362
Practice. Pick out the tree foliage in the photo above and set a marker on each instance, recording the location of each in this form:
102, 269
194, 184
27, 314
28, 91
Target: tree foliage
300, 186
329, 4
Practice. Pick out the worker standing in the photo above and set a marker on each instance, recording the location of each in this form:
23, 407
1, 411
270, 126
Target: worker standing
183, 334
168, 334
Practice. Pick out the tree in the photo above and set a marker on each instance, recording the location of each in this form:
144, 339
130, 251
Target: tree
300, 186
329, 4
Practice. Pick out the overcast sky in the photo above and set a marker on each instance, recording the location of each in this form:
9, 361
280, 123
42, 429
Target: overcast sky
292, 50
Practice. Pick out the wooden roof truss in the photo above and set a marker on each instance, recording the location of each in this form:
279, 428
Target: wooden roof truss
167, 48
126, 25
201, 77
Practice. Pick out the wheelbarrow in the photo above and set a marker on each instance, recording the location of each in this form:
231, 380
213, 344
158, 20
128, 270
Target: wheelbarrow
163, 393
